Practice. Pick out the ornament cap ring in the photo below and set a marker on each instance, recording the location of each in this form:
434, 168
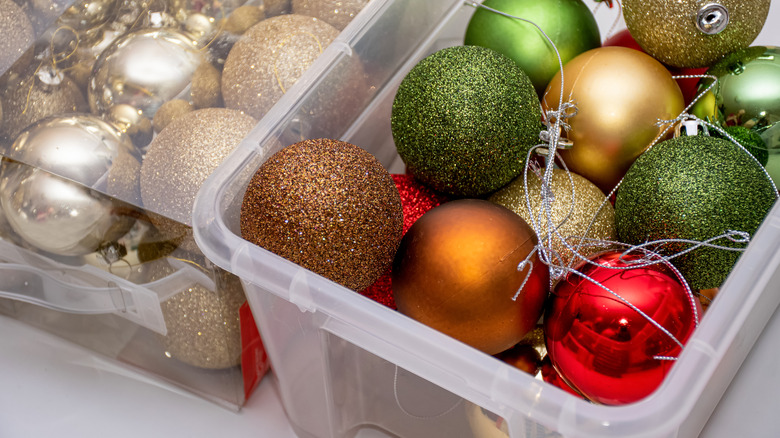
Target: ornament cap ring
712, 18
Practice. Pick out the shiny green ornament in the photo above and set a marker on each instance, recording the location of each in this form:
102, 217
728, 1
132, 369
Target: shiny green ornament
749, 139
695, 188
569, 23
464, 119
747, 94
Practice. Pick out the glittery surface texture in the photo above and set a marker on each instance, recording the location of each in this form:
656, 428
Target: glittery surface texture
123, 178
27, 99
328, 206
203, 325
17, 33
206, 89
667, 29
184, 154
416, 199
337, 13
578, 208
269, 58
693, 188
463, 120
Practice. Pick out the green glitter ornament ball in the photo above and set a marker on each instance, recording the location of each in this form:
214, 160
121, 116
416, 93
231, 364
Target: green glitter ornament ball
463, 120
694, 188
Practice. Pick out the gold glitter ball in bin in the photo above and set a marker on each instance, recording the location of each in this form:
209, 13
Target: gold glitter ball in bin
184, 154
328, 206
578, 209
244, 17
203, 325
337, 13
169, 111
206, 90
694, 33
269, 58
17, 33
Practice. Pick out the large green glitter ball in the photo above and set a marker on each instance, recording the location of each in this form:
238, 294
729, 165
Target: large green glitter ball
463, 120
694, 188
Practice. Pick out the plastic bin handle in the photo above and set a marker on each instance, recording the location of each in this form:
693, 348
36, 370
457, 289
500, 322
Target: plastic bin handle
31, 285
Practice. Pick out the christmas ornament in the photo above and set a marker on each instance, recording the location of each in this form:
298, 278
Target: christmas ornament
416, 200
601, 344
457, 271
203, 325
688, 86
463, 120
328, 206
80, 147
122, 258
270, 58
276, 7
56, 214
551, 376
144, 69
694, 188
206, 91
523, 357
694, 33
132, 122
579, 211
184, 154
169, 111
616, 115
17, 33
36, 95
749, 139
87, 15
243, 18
124, 178
747, 94
570, 25
337, 13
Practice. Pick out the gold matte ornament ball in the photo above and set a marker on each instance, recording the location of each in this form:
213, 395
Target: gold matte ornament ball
694, 33
184, 154
269, 58
577, 209
457, 272
328, 206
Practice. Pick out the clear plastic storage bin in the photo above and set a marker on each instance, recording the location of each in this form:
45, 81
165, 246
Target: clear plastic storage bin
81, 256
347, 366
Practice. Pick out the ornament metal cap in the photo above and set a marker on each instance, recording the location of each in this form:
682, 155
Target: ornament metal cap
712, 18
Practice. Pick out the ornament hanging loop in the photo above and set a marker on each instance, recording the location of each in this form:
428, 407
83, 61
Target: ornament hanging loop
712, 18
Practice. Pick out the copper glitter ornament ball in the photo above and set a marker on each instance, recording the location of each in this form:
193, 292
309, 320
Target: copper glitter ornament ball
579, 213
694, 33
328, 206
620, 95
457, 272
337, 13
184, 154
269, 58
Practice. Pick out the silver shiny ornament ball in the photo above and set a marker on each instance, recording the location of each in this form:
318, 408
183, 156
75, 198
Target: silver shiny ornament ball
269, 58
85, 15
132, 122
81, 147
337, 13
58, 215
144, 69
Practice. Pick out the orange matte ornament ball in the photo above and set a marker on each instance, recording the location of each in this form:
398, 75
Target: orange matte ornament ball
620, 95
457, 272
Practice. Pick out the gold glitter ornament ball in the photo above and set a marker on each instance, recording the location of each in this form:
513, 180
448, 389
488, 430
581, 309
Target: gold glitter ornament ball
694, 33
184, 154
269, 58
203, 325
17, 31
577, 209
36, 95
328, 206
337, 13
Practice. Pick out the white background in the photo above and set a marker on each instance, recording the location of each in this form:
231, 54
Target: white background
51, 389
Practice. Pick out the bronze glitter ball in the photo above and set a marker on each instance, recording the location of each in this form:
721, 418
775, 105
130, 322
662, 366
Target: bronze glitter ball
328, 206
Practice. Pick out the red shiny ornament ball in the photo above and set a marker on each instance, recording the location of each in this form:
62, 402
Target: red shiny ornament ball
551, 376
457, 271
606, 349
416, 200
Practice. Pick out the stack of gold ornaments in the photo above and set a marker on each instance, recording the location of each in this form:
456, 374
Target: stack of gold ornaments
118, 110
